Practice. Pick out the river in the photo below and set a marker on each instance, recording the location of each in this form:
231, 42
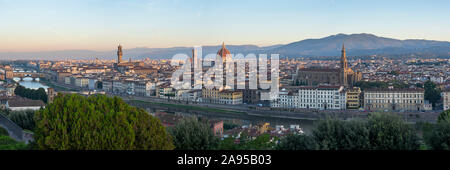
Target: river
306, 125
29, 83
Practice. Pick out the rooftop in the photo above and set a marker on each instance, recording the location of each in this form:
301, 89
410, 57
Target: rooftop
24, 102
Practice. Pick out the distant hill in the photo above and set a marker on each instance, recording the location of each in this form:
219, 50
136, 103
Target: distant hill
134, 53
361, 44
356, 45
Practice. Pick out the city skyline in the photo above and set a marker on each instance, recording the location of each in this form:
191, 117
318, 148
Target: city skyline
99, 25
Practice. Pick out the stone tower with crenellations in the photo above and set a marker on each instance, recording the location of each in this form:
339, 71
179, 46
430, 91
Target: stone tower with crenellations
344, 67
119, 54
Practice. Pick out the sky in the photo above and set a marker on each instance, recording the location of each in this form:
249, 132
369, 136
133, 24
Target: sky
46, 25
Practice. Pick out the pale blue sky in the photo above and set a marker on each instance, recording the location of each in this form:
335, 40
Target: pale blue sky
40, 25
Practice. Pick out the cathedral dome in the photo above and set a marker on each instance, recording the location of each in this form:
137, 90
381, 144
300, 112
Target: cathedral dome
223, 52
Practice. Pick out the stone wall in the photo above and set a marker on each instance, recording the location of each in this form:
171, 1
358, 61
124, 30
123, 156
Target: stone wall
15, 131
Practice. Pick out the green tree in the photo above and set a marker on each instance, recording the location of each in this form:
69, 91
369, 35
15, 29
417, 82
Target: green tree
7, 143
432, 94
333, 134
444, 117
24, 119
99, 85
389, 132
419, 85
229, 144
379, 132
74, 122
297, 142
229, 126
371, 85
38, 94
438, 138
192, 134
3, 132
262, 142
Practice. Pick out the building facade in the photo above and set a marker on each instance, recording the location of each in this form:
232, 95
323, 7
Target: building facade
221, 96
446, 97
394, 99
354, 98
312, 97
344, 75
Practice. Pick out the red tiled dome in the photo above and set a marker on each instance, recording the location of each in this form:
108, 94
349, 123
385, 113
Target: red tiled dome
223, 52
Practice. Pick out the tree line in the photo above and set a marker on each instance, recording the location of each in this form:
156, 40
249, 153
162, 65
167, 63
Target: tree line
381, 131
74, 122
32, 94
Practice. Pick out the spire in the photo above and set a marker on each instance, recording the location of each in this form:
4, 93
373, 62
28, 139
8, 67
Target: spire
344, 63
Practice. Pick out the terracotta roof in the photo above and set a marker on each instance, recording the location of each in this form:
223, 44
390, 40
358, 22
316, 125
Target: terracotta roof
395, 90
320, 69
24, 102
223, 52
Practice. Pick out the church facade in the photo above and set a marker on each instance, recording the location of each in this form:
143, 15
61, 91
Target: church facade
343, 76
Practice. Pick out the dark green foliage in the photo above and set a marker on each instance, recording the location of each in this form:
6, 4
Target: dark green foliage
297, 142
3, 132
379, 132
229, 144
444, 117
262, 142
394, 72
99, 85
370, 85
419, 85
432, 94
389, 132
229, 126
24, 119
192, 134
74, 122
341, 135
438, 138
7, 143
381, 85
38, 94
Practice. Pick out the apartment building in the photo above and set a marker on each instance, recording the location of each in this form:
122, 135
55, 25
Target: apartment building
446, 97
353, 98
394, 99
143, 88
221, 96
312, 97
81, 82
230, 97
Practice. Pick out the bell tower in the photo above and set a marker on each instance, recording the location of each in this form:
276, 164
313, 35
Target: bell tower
119, 54
344, 67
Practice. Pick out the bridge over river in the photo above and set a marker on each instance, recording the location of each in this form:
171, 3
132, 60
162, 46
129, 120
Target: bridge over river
23, 75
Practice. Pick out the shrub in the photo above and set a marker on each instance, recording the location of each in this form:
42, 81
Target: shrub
98, 123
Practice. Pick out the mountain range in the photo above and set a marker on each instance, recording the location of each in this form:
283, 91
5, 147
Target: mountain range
356, 45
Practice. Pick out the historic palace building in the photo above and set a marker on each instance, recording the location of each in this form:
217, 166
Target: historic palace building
122, 65
394, 99
344, 75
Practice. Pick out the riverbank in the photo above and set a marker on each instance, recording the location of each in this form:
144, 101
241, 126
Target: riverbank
188, 107
55, 86
248, 113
